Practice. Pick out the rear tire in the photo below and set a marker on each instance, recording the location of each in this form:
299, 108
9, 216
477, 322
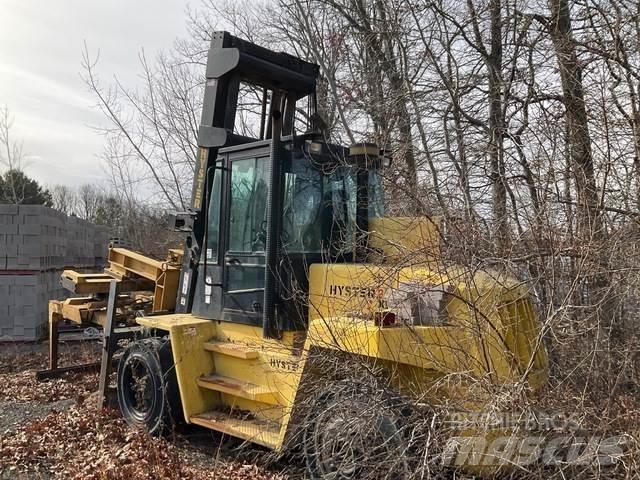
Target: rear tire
148, 394
354, 431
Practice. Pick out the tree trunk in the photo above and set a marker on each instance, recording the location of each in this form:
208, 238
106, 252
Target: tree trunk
397, 83
579, 140
496, 129
589, 229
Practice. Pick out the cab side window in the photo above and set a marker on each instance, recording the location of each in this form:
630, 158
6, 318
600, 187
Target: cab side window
214, 218
249, 187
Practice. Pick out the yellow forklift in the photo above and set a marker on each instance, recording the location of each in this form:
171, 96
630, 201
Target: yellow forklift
296, 292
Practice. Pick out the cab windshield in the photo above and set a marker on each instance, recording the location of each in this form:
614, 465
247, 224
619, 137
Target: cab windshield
318, 208
311, 196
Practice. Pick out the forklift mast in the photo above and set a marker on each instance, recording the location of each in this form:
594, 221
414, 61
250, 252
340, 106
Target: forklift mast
284, 79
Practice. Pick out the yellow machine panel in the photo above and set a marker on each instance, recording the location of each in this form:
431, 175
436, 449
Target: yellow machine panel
230, 368
416, 239
465, 322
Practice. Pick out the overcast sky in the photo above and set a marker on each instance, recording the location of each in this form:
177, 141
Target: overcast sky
41, 46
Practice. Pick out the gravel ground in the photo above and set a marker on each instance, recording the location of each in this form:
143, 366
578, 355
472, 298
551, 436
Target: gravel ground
52, 429
14, 415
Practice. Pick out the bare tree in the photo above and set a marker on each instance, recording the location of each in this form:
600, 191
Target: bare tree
578, 140
157, 127
11, 157
63, 199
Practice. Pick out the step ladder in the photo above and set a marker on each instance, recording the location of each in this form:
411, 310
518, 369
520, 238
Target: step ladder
253, 426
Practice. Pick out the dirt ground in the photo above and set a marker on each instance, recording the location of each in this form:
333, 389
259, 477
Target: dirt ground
52, 429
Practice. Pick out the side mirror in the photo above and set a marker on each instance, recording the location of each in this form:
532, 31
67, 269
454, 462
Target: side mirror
182, 221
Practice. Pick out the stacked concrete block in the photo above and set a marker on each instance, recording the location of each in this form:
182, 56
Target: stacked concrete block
36, 244
23, 313
39, 238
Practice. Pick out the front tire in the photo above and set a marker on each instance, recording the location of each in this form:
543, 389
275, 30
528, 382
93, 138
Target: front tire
148, 394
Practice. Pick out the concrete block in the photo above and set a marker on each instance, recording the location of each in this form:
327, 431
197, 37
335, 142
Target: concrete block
7, 209
6, 321
38, 238
34, 210
34, 320
26, 280
11, 229
10, 249
33, 249
10, 263
23, 261
31, 334
29, 297
6, 333
29, 229
33, 220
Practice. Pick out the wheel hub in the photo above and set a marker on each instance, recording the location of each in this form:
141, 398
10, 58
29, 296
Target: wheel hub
140, 385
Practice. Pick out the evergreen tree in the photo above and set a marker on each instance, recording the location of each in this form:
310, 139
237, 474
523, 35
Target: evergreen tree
16, 187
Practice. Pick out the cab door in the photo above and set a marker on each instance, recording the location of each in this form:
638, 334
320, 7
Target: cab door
244, 254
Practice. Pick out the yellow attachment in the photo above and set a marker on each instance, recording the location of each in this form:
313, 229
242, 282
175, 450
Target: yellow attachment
89, 310
124, 263
93, 283
78, 310
134, 272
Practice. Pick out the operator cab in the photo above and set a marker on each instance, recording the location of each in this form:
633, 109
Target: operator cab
322, 188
